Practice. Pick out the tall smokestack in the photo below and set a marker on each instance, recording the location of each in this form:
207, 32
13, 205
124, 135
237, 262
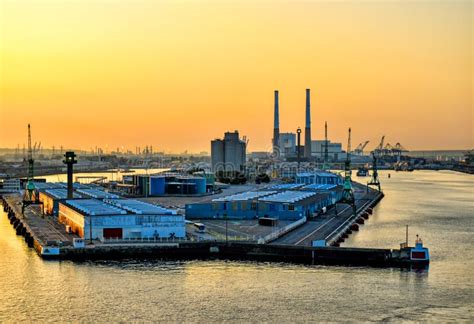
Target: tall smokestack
276, 127
307, 130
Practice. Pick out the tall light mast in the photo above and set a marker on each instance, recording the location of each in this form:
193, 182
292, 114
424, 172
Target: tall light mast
326, 143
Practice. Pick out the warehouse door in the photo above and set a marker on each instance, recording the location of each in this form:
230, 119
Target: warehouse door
113, 233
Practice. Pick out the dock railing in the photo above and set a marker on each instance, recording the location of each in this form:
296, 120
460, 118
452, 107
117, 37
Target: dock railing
276, 234
334, 235
192, 239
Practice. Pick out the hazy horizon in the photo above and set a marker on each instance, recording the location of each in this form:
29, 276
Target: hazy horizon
177, 75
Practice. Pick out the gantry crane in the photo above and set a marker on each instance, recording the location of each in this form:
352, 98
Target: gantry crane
379, 149
374, 180
359, 150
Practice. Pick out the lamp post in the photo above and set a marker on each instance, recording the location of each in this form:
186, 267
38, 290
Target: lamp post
298, 152
226, 237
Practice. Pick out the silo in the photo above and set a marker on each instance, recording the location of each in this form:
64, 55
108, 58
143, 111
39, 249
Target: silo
200, 185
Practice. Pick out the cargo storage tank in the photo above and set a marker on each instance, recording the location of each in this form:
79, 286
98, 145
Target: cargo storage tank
157, 186
200, 185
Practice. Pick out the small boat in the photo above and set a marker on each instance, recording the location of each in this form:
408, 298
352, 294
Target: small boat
362, 172
415, 255
419, 253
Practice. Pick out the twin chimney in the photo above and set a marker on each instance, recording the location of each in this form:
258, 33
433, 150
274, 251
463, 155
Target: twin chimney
276, 126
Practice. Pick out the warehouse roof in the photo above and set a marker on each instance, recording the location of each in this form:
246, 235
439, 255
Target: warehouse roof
60, 193
47, 185
245, 196
316, 186
140, 207
286, 186
98, 194
75, 185
317, 173
288, 196
94, 207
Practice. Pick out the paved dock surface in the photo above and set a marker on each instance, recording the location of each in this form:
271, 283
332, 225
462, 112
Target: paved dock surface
325, 226
44, 229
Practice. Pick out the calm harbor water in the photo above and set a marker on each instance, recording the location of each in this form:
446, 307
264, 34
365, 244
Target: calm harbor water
437, 205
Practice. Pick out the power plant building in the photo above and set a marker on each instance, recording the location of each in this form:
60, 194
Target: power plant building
120, 219
228, 154
334, 150
287, 144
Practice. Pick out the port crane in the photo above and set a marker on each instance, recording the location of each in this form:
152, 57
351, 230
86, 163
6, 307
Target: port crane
29, 196
379, 149
374, 180
348, 193
389, 149
359, 150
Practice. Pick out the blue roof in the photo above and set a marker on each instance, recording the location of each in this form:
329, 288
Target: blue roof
288, 196
316, 173
286, 186
248, 195
60, 193
316, 186
140, 207
98, 194
95, 207
47, 185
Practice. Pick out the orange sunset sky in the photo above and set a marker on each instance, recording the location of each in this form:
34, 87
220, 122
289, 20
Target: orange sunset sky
176, 74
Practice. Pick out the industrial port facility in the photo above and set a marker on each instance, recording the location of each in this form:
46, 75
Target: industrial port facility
291, 208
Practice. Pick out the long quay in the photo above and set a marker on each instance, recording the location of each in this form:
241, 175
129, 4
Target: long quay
39, 231
47, 236
333, 227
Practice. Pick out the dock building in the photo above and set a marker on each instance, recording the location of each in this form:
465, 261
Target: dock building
276, 202
120, 219
51, 198
318, 177
168, 184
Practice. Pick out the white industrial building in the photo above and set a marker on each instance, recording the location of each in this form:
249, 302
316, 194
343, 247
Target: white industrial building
120, 219
287, 144
334, 150
228, 154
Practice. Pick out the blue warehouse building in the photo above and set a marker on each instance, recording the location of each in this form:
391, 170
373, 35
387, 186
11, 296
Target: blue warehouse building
51, 199
239, 206
319, 177
334, 191
167, 184
284, 205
